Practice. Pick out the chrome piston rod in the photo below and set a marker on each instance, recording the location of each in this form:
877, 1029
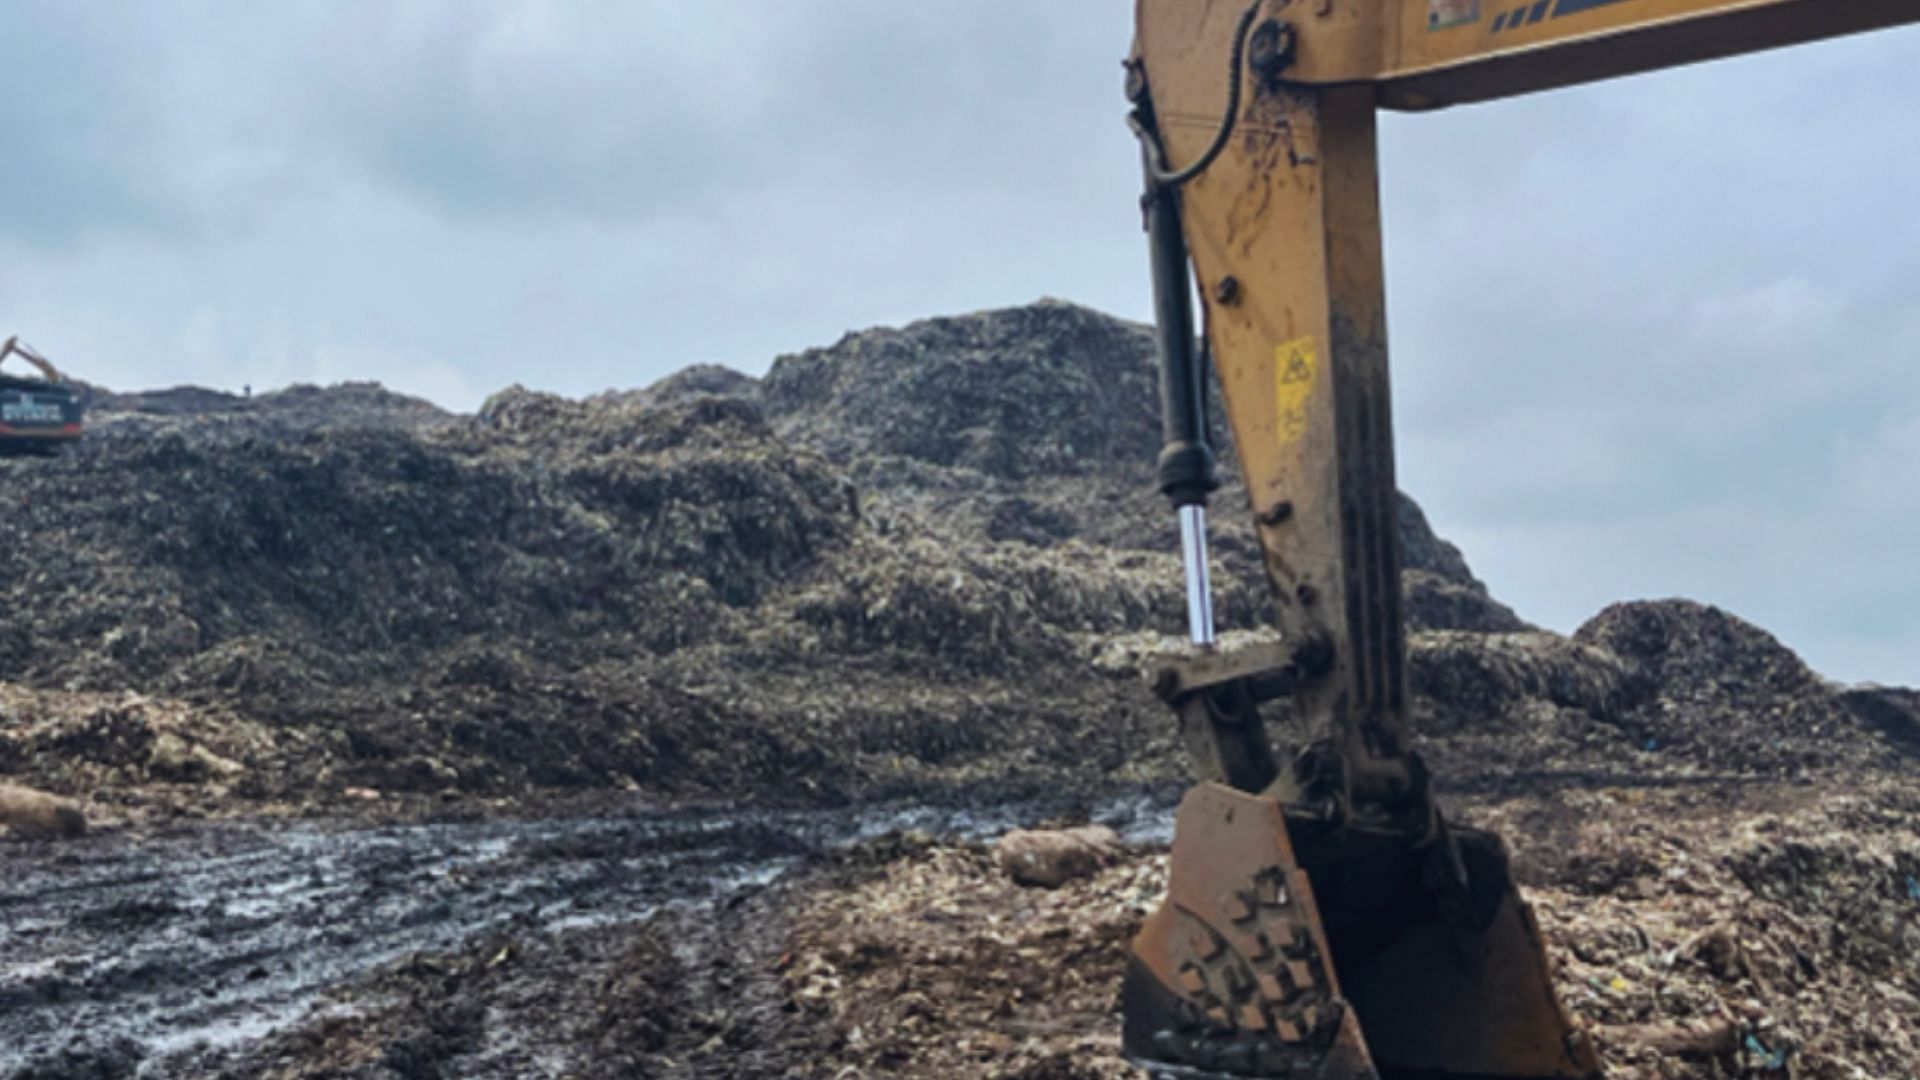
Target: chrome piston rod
1193, 555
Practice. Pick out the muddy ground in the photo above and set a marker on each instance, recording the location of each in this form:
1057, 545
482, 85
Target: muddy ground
170, 951
1782, 919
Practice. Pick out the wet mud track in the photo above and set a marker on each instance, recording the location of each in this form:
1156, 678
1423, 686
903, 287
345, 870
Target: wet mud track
117, 951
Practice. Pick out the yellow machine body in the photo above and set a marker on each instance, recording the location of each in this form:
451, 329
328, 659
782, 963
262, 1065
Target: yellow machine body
1323, 919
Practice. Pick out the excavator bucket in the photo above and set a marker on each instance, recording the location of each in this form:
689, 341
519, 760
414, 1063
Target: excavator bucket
1256, 966
1323, 920
1234, 973
1300, 940
1244, 972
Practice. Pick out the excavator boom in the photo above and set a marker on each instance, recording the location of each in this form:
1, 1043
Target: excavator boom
1323, 918
1420, 54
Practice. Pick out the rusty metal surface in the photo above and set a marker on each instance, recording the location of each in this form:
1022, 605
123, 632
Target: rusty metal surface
1233, 972
1255, 967
1452, 985
1175, 675
1216, 695
1289, 213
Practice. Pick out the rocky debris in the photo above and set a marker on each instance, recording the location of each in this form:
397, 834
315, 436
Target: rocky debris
169, 552
1710, 917
1433, 602
31, 813
1049, 858
173, 401
215, 415
128, 754
935, 964
342, 588
1039, 426
174, 758
1700, 1039
924, 562
1709, 958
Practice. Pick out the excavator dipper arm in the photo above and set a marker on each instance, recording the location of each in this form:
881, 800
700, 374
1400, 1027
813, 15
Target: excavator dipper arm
13, 347
1323, 919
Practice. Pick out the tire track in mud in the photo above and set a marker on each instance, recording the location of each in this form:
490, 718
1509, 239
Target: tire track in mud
146, 948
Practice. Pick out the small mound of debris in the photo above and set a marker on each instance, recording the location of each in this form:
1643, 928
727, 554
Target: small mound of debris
1892, 711
215, 414
688, 384
1729, 694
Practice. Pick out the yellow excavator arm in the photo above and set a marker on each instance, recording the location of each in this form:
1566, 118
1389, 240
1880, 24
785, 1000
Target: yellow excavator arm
13, 347
1323, 919
1418, 54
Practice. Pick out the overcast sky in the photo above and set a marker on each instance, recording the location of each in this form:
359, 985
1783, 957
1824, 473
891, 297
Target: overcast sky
1652, 338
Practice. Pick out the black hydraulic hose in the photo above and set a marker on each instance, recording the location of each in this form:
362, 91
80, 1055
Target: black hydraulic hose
1156, 164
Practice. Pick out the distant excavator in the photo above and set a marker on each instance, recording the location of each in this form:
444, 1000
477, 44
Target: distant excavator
37, 415
1323, 920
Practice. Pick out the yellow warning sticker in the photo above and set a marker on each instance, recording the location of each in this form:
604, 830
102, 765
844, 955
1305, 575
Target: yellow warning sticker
1293, 371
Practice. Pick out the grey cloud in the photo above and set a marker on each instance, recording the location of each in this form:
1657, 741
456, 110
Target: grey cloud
522, 112
1654, 337
1657, 338
75, 132
644, 111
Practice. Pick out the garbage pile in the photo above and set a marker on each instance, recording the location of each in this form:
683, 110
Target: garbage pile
898, 565
1701, 932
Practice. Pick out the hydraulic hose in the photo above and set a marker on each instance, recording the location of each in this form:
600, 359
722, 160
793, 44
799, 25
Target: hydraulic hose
1157, 172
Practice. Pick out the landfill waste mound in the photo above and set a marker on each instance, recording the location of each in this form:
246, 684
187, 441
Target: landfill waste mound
893, 566
1726, 692
295, 408
1041, 425
922, 566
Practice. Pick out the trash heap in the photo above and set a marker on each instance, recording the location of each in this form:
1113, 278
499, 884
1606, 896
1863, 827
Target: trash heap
926, 563
922, 562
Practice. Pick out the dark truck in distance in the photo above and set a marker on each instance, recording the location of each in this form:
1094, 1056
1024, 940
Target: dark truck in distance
37, 415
